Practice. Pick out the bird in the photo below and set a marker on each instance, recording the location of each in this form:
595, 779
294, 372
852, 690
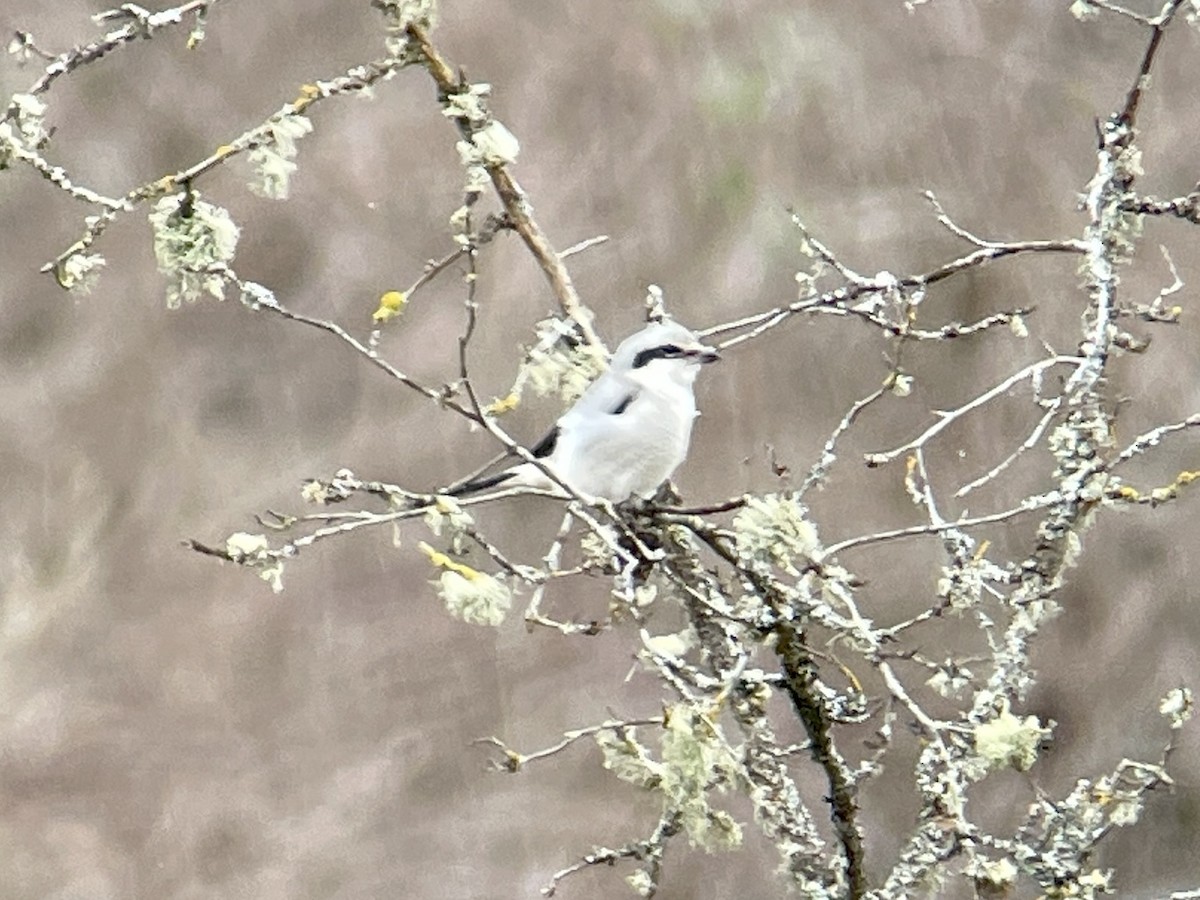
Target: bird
629, 430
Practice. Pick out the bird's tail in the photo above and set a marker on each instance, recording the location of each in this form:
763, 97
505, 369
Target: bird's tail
524, 475
482, 483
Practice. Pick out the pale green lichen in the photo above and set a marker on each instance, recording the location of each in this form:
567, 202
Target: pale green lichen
900, 384
628, 759
496, 144
950, 679
470, 105
1007, 741
79, 272
695, 761
445, 518
558, 364
478, 599
28, 112
641, 882
672, 646
249, 546
273, 159
470, 595
24, 130
599, 547
992, 877
273, 575
1083, 10
772, 529
194, 242
488, 141
315, 492
255, 295
399, 15
21, 48
963, 584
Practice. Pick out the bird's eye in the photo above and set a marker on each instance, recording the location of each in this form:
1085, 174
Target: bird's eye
669, 350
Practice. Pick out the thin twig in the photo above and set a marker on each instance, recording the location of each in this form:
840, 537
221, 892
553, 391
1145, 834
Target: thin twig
820, 469
140, 27
1153, 437
1159, 24
515, 762
1031, 504
512, 196
1028, 444
946, 418
356, 79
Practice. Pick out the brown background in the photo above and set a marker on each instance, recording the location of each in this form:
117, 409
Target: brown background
169, 728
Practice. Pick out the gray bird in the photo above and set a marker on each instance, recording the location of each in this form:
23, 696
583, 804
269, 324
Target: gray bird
630, 429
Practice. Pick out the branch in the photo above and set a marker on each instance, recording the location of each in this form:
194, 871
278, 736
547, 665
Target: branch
836, 301
1153, 438
650, 850
947, 418
516, 205
1031, 504
143, 25
353, 80
512, 761
1159, 26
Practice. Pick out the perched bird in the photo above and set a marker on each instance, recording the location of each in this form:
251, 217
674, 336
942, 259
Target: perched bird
629, 430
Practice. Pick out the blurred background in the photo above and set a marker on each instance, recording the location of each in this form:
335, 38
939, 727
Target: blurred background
171, 728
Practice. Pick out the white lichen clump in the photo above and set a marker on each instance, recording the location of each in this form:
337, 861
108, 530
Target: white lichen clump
273, 160
696, 760
558, 364
772, 529
24, 131
628, 759
497, 145
950, 679
193, 249
445, 518
400, 14
254, 551
469, 105
992, 877
1008, 741
79, 272
475, 597
1178, 706
1083, 10
962, 585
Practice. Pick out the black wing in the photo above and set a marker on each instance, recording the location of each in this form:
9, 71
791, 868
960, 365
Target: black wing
545, 446
623, 405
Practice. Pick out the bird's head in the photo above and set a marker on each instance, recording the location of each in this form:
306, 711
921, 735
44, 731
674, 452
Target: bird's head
662, 352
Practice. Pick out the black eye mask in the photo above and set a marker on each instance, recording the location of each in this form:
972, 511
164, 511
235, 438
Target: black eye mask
666, 351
